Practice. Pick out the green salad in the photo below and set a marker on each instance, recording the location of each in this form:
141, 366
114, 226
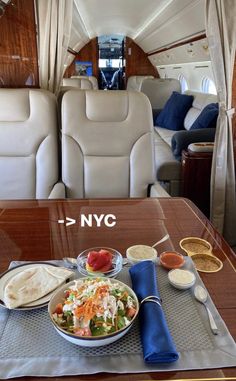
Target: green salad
95, 307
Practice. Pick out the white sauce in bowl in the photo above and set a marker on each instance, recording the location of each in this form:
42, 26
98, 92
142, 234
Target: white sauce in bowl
139, 253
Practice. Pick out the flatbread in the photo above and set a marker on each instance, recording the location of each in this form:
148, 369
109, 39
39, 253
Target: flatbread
32, 284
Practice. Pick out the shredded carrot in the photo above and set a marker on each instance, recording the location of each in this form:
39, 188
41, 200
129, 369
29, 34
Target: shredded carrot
91, 306
125, 294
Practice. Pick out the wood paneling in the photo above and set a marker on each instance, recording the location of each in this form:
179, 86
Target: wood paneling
88, 53
18, 47
137, 62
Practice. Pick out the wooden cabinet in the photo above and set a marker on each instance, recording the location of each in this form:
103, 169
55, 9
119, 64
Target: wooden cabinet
196, 176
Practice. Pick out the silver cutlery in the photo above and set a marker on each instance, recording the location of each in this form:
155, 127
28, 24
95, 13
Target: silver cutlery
201, 295
161, 240
70, 262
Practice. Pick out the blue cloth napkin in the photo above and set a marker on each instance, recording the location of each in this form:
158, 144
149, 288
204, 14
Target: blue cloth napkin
158, 346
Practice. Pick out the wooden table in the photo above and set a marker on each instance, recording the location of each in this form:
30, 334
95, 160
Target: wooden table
29, 230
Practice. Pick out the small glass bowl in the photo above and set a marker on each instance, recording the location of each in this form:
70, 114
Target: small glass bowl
171, 260
117, 261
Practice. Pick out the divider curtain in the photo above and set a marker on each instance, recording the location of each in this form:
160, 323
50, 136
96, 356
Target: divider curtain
221, 34
54, 28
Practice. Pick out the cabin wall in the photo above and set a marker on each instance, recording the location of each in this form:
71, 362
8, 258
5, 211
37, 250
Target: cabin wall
18, 46
89, 53
137, 62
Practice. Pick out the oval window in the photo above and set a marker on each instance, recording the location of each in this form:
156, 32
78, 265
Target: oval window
183, 83
208, 86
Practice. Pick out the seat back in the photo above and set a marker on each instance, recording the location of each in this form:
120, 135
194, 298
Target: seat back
107, 144
159, 90
28, 143
200, 101
135, 81
91, 78
81, 83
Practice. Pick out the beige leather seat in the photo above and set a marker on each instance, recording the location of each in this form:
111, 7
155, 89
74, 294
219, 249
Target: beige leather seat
107, 145
28, 145
91, 78
159, 90
135, 81
82, 83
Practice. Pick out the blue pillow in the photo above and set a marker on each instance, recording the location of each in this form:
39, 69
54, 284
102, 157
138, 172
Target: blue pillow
173, 114
207, 118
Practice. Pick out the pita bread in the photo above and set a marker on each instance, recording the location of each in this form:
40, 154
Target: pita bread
32, 284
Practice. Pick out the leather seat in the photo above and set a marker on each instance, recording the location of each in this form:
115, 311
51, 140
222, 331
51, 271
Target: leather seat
91, 78
159, 90
135, 82
28, 145
107, 145
82, 83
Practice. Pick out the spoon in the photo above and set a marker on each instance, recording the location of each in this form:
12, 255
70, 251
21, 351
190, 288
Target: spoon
161, 240
70, 262
201, 295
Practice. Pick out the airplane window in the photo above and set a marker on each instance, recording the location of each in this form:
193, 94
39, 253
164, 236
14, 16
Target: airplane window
183, 83
208, 86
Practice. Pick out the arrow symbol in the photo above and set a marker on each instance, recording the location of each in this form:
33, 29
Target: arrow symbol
71, 221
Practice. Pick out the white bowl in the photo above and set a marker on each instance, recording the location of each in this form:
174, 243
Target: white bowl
89, 341
181, 284
139, 253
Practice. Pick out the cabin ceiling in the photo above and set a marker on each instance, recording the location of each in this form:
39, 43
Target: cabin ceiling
153, 24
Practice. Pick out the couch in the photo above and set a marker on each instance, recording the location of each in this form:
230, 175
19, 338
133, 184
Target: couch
169, 144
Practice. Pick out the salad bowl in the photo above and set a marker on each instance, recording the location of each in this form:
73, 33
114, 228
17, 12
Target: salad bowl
93, 312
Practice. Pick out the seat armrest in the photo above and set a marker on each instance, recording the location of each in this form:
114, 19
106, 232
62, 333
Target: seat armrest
58, 191
181, 139
156, 190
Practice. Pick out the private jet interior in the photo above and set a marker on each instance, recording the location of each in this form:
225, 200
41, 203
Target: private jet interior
110, 107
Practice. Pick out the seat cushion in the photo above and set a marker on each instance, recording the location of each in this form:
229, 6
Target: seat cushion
207, 117
174, 112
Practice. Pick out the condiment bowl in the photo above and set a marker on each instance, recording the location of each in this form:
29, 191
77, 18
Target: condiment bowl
195, 245
116, 262
206, 263
171, 260
177, 278
89, 341
139, 253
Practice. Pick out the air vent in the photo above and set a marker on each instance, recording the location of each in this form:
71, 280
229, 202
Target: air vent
177, 67
201, 67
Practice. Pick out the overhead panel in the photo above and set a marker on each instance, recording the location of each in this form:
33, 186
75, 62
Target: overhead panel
180, 20
124, 17
153, 24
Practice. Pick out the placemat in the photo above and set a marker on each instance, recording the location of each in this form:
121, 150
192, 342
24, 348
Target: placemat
30, 346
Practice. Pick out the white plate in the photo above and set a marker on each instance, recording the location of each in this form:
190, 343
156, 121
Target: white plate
5, 277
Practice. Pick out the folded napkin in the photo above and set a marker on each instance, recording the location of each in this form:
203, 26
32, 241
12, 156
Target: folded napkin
158, 346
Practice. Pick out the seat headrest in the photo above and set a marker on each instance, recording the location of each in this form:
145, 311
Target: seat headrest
15, 105
100, 106
81, 83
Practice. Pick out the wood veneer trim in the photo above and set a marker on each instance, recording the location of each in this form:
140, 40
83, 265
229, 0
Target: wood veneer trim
177, 44
199, 379
226, 256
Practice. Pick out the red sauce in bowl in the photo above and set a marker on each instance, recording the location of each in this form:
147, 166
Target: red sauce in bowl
171, 260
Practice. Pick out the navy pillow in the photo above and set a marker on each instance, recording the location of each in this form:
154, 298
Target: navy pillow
207, 118
173, 114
